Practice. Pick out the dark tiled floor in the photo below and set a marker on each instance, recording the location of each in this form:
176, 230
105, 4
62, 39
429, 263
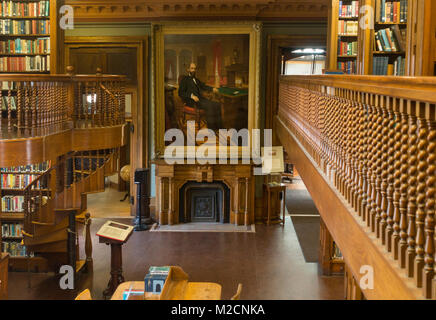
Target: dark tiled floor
269, 264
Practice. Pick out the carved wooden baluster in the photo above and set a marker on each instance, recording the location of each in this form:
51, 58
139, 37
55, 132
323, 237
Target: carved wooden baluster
337, 141
390, 176
384, 171
26, 105
397, 183
114, 105
327, 135
340, 142
404, 187
59, 100
34, 111
376, 205
52, 103
412, 188
122, 114
363, 201
371, 163
428, 272
9, 107
354, 180
44, 104
361, 170
93, 105
420, 213
347, 149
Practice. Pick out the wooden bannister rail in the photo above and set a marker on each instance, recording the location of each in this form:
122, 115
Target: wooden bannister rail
374, 139
38, 105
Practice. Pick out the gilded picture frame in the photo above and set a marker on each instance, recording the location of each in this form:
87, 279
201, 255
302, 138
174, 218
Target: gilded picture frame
160, 31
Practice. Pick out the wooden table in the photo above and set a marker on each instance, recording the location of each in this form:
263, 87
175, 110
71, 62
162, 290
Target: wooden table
271, 189
181, 290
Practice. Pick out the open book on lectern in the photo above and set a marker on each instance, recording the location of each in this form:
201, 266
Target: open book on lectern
115, 231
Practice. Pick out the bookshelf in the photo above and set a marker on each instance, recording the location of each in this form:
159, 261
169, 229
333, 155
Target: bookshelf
13, 181
343, 36
29, 36
413, 49
389, 38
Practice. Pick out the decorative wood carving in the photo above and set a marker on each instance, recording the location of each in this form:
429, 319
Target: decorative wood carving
99, 10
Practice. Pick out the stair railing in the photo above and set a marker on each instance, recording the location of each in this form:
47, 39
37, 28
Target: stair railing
375, 139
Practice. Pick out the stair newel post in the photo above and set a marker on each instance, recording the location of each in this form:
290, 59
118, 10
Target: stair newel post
428, 272
88, 242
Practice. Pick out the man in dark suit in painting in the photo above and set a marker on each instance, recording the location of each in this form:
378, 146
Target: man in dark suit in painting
190, 92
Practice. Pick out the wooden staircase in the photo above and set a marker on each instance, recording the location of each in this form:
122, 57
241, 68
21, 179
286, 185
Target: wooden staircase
54, 213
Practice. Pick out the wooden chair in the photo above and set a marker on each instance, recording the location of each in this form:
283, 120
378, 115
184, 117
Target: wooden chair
237, 295
84, 295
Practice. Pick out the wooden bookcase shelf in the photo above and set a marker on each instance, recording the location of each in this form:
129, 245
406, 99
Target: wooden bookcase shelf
50, 61
417, 56
13, 218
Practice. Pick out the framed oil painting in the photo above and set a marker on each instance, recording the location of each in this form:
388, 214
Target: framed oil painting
206, 74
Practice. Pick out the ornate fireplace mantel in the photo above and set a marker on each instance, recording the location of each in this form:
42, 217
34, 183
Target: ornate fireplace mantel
170, 178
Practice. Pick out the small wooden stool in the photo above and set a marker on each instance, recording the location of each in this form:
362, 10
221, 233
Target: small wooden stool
271, 188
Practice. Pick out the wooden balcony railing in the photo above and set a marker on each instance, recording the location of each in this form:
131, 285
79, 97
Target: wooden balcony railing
374, 139
35, 105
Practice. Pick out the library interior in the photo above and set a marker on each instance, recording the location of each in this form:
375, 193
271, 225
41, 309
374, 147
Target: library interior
217, 150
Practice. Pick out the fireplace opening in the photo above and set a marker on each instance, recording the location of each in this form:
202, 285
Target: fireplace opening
204, 202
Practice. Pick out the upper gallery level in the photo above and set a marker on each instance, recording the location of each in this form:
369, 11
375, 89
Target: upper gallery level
45, 116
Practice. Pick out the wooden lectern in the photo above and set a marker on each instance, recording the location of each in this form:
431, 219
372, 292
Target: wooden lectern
116, 261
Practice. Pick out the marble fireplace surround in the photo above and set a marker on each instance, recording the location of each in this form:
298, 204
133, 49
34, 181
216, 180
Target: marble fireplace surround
170, 178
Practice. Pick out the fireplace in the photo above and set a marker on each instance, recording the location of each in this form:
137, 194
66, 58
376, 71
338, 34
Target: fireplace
221, 193
204, 202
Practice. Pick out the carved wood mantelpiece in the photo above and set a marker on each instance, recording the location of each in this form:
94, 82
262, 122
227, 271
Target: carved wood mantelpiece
170, 178
99, 10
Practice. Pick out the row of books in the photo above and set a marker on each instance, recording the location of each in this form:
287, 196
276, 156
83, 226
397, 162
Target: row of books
25, 9
25, 64
8, 26
12, 204
15, 249
391, 11
349, 10
347, 27
8, 103
39, 45
12, 230
30, 168
390, 39
382, 67
348, 67
17, 181
347, 48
